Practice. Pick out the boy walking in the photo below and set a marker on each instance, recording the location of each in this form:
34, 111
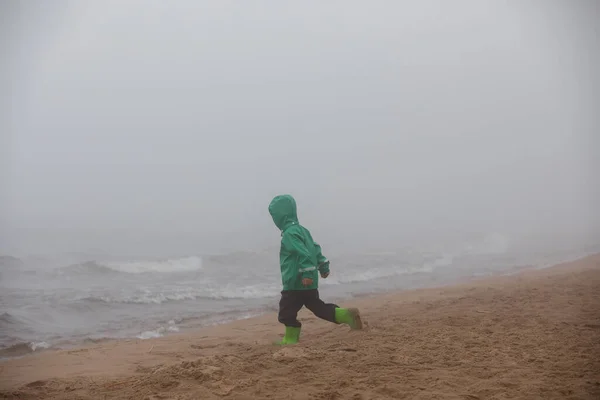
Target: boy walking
301, 263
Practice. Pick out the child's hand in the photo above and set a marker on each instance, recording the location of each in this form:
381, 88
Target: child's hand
324, 275
307, 281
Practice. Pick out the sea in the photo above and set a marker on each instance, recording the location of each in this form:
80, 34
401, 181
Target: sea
60, 301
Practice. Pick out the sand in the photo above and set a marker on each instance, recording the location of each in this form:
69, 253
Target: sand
535, 335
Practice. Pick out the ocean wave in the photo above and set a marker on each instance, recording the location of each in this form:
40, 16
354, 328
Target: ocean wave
8, 319
159, 332
88, 267
229, 291
385, 272
187, 264
10, 323
243, 256
23, 348
143, 298
224, 292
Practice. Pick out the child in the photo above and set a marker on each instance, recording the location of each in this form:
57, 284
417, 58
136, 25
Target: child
301, 263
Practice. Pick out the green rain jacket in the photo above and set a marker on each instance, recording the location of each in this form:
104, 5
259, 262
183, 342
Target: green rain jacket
299, 257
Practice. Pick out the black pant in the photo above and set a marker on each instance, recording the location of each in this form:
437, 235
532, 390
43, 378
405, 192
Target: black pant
293, 300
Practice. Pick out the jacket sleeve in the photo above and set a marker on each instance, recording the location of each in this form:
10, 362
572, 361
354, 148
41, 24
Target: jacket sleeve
322, 261
293, 242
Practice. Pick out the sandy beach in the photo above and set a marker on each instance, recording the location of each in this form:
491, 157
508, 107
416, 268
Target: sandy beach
534, 335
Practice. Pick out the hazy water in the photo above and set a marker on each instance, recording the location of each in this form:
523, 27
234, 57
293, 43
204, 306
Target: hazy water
71, 299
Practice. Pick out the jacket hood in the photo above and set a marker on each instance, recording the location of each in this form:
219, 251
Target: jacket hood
283, 211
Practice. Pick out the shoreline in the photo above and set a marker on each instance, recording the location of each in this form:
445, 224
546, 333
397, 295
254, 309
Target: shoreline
407, 282
453, 317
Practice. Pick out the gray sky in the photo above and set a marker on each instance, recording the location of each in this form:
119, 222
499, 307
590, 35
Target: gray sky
137, 126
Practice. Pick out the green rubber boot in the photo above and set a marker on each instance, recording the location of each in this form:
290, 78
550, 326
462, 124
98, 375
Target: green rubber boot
292, 336
349, 316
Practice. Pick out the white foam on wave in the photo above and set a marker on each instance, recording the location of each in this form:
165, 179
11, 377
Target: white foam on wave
151, 334
231, 291
39, 345
146, 298
186, 264
159, 332
206, 291
172, 327
376, 273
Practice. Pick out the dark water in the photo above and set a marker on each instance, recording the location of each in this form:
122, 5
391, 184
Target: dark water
60, 301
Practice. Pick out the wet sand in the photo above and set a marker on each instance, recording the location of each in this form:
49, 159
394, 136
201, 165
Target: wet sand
535, 335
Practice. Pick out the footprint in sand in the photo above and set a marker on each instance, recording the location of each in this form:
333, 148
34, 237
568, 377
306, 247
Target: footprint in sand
289, 353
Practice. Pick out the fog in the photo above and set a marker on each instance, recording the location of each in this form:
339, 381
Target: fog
149, 127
